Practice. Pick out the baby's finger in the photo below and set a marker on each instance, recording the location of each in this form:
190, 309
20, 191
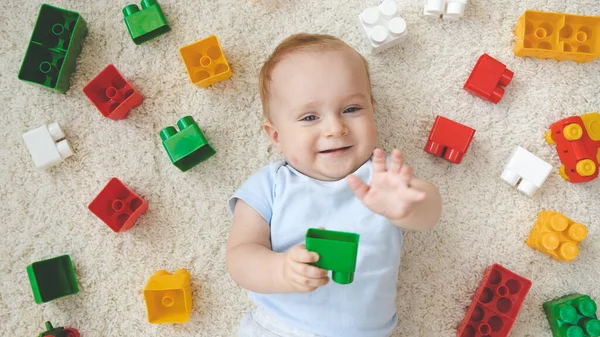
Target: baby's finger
414, 194
307, 270
358, 186
378, 161
302, 281
395, 161
406, 174
298, 253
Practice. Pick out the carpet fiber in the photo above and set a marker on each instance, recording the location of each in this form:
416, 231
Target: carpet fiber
485, 221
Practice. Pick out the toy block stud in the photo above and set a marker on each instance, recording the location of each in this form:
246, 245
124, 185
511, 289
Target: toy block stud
58, 332
188, 147
337, 252
382, 26
526, 170
53, 48
52, 279
487, 79
577, 140
168, 297
112, 95
573, 316
556, 235
47, 145
147, 23
449, 139
449, 10
118, 206
205, 62
496, 304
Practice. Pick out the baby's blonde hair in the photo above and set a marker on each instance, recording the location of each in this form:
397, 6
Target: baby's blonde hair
294, 43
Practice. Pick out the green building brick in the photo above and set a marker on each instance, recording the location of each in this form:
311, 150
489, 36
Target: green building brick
188, 147
573, 316
147, 23
53, 48
52, 278
337, 252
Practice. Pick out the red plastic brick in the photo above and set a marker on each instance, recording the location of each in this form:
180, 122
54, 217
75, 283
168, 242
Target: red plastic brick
110, 92
449, 139
118, 206
495, 305
487, 79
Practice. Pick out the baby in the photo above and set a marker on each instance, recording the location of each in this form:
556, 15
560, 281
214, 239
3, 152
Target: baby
318, 107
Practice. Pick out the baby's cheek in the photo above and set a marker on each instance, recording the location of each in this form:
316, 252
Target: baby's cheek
293, 160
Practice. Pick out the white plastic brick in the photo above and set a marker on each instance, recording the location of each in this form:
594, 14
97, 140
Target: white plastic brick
527, 168
382, 26
47, 145
449, 10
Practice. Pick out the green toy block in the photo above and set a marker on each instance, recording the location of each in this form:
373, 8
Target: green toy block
188, 147
52, 278
337, 252
145, 24
53, 48
573, 316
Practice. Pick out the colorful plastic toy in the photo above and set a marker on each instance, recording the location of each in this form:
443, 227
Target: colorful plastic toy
556, 235
58, 332
526, 170
337, 252
449, 10
382, 26
558, 36
118, 206
47, 145
110, 92
449, 139
487, 79
573, 316
52, 279
53, 48
145, 24
496, 304
169, 297
188, 147
205, 62
577, 140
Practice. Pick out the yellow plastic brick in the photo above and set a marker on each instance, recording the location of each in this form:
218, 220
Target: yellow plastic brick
558, 36
557, 236
168, 297
205, 62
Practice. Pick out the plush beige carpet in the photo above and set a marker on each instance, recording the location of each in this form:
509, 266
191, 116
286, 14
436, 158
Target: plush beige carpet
44, 213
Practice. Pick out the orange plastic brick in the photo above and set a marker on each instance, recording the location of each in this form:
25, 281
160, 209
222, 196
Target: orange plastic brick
205, 62
558, 36
169, 297
557, 236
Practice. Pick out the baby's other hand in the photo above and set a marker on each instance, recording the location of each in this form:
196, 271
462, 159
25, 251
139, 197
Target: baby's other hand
298, 274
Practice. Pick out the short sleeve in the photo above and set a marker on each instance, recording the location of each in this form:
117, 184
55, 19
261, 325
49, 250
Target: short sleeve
257, 192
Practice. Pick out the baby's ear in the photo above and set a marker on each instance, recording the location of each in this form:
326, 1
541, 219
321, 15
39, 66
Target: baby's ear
272, 133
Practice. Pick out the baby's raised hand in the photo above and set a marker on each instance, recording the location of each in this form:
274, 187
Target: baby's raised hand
390, 193
299, 275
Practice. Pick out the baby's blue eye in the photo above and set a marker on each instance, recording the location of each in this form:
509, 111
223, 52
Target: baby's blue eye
352, 109
309, 118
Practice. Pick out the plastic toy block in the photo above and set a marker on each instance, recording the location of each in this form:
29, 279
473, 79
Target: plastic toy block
168, 297
449, 10
110, 92
526, 170
205, 62
496, 304
118, 206
487, 79
188, 147
337, 252
147, 23
58, 332
449, 139
577, 140
47, 145
573, 316
52, 279
382, 26
557, 236
558, 36
53, 48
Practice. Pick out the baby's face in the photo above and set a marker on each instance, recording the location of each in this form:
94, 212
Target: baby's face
321, 114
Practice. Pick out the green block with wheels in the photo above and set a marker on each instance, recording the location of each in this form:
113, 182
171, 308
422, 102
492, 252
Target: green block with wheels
52, 279
337, 252
53, 48
147, 23
188, 147
573, 316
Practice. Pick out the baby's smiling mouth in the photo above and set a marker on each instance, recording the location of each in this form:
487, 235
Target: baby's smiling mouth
339, 149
